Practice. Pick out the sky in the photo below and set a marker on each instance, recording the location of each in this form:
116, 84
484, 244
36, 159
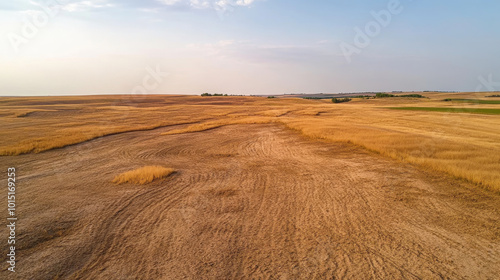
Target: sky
65, 47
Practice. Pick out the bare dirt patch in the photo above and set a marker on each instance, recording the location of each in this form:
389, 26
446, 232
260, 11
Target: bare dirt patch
281, 206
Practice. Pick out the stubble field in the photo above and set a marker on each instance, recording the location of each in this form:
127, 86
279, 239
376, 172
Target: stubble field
253, 188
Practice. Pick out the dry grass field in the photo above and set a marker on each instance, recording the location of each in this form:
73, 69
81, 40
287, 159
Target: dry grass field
464, 145
281, 188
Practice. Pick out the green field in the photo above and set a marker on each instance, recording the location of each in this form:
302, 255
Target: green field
451, 110
476, 101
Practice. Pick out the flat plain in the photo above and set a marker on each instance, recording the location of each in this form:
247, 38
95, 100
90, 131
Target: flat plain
254, 188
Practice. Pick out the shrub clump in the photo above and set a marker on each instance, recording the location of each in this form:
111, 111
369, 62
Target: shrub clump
215, 94
341, 100
383, 95
411, 95
143, 175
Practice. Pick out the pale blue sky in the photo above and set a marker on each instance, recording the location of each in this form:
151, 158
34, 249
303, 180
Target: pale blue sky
246, 46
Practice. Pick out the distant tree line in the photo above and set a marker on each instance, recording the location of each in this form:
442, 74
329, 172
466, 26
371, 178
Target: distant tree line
385, 95
362, 96
220, 94
314, 97
215, 94
341, 100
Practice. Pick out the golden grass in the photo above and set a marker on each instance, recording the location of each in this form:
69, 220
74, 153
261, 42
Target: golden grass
143, 175
274, 113
72, 125
466, 146
40, 144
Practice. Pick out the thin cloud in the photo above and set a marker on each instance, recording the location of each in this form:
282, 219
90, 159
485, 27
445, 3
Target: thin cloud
26, 7
152, 6
207, 4
263, 53
81, 6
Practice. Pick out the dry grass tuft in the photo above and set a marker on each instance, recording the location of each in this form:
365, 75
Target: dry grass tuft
143, 175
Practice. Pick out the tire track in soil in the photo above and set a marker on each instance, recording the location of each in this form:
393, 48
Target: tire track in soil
252, 202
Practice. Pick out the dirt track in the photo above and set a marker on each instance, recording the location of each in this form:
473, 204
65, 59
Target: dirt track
247, 202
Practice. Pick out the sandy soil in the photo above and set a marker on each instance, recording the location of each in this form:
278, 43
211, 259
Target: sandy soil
246, 202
